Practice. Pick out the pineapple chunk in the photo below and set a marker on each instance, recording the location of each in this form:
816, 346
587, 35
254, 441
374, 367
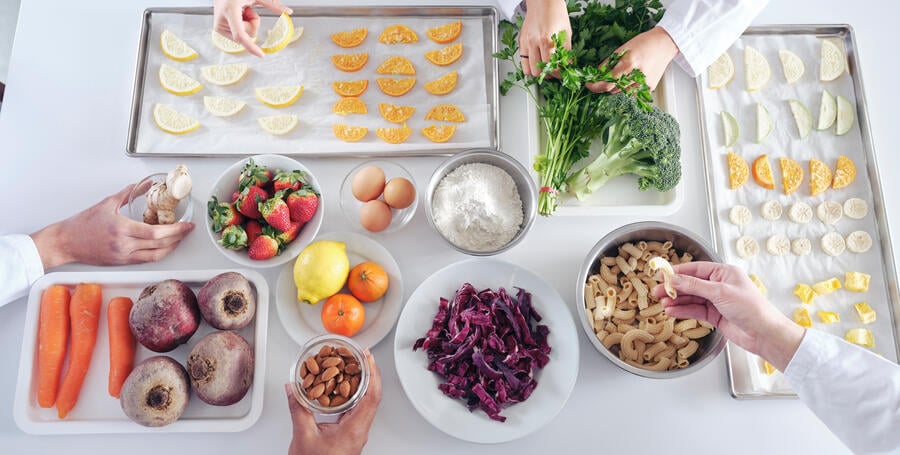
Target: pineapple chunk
829, 317
865, 312
759, 284
856, 281
827, 287
805, 293
862, 337
801, 317
769, 368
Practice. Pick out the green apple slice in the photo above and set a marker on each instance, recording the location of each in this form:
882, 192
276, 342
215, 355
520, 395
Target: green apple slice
730, 129
763, 123
792, 65
802, 117
827, 111
845, 116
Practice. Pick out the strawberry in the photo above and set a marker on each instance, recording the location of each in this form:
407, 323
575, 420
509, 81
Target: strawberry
289, 180
248, 202
254, 229
276, 213
302, 205
288, 236
222, 214
264, 247
253, 175
235, 196
234, 238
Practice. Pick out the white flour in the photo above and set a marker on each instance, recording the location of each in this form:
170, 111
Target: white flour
477, 207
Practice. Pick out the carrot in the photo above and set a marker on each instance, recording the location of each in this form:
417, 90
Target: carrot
53, 334
84, 313
121, 343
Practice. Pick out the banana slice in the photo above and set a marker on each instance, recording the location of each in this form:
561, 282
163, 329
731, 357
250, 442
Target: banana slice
856, 208
829, 212
859, 241
739, 215
833, 244
778, 245
771, 210
800, 213
747, 247
801, 246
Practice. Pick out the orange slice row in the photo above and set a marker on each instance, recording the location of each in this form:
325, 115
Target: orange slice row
821, 176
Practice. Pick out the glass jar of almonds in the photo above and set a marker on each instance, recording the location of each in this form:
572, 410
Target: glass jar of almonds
330, 375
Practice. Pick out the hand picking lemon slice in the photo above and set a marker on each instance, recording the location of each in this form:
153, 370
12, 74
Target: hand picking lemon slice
792, 65
763, 123
827, 111
730, 129
175, 48
176, 82
721, 71
802, 117
172, 121
225, 44
224, 74
833, 61
845, 116
278, 96
757, 70
298, 32
278, 124
279, 36
221, 106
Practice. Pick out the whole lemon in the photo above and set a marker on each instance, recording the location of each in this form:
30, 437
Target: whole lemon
321, 270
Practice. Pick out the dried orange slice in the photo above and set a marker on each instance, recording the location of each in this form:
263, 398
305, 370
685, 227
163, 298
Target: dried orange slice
349, 105
395, 87
398, 34
446, 55
394, 113
445, 113
394, 135
762, 172
350, 62
844, 173
738, 171
350, 88
819, 176
445, 33
349, 133
442, 85
791, 175
396, 65
439, 133
352, 38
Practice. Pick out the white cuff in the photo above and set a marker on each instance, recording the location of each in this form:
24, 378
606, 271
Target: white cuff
811, 353
21, 265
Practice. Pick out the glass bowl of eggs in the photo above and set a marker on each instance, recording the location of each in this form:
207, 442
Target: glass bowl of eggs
379, 196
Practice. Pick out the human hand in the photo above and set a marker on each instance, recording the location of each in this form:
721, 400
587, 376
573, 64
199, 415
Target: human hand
236, 19
543, 19
649, 52
348, 435
724, 296
100, 235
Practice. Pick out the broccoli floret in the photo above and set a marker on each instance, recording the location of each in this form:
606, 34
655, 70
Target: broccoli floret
634, 141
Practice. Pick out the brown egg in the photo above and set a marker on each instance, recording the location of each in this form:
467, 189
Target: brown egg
368, 183
399, 193
375, 215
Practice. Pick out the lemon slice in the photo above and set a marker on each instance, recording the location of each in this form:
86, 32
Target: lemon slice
224, 74
802, 117
172, 121
279, 36
278, 124
763, 123
845, 116
176, 82
175, 48
222, 107
730, 129
298, 32
792, 65
721, 71
278, 96
833, 61
757, 70
827, 111
227, 45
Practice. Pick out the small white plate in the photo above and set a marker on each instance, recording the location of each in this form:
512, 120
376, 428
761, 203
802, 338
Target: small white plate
555, 381
302, 321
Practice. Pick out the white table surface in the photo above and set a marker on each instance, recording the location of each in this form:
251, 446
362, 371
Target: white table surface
62, 133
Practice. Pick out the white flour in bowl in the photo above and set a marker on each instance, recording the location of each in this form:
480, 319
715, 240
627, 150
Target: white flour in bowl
477, 207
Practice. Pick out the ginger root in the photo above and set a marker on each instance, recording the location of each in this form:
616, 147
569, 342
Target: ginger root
163, 197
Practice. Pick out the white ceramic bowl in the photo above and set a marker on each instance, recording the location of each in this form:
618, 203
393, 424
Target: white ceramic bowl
227, 184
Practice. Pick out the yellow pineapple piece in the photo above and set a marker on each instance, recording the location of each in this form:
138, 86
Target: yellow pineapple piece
865, 312
805, 293
862, 337
829, 317
769, 368
827, 287
801, 317
856, 281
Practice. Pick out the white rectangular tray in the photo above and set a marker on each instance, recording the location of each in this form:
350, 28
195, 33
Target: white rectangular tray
96, 411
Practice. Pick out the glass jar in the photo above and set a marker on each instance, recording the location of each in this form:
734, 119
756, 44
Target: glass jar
311, 349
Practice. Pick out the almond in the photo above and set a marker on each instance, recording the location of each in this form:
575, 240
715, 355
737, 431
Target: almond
308, 380
316, 392
337, 401
311, 365
344, 389
344, 352
324, 400
354, 384
303, 370
329, 386
332, 361
329, 373
352, 369
325, 351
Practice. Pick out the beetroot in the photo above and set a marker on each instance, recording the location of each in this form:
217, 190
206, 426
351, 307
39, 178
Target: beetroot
156, 392
164, 316
220, 367
227, 301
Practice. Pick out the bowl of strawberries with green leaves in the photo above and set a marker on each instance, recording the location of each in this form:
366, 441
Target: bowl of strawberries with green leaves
263, 210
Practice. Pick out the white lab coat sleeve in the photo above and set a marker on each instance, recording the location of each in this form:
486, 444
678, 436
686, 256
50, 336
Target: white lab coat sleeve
20, 266
704, 29
853, 391
508, 8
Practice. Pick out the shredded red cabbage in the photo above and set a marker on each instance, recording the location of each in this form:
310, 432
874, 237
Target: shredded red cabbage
486, 346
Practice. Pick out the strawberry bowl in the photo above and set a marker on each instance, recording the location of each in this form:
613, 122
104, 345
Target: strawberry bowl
263, 210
